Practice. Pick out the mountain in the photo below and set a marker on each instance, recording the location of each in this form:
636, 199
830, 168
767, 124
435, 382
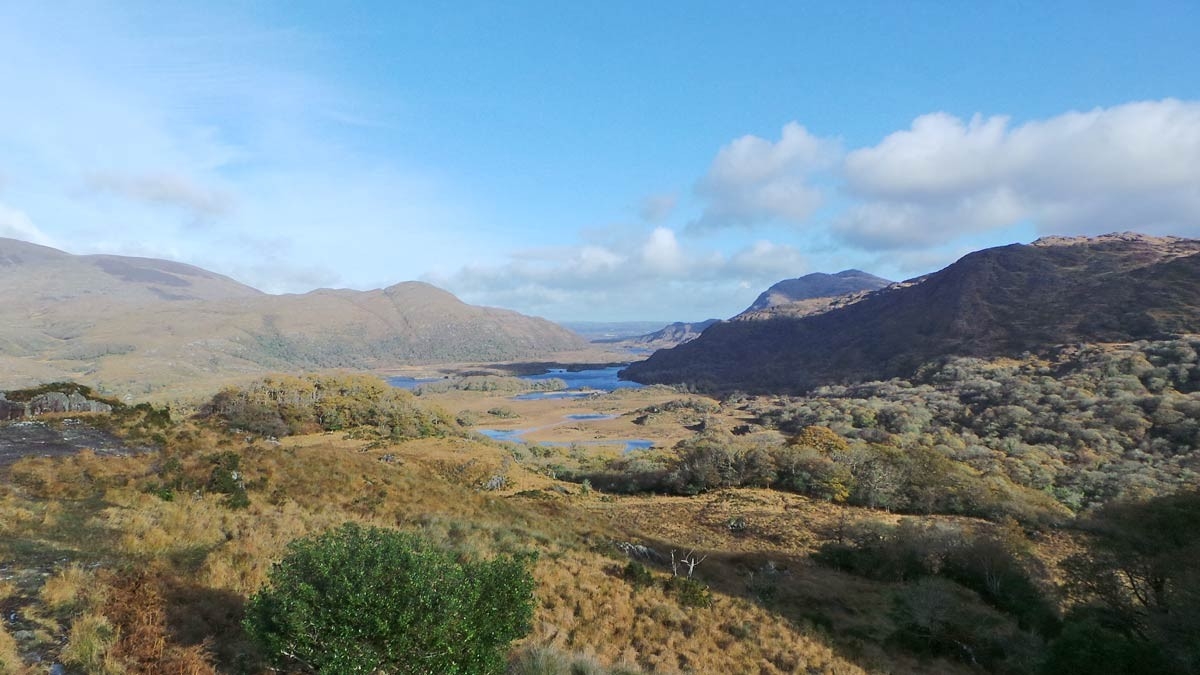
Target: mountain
610, 331
668, 336
136, 324
816, 285
995, 302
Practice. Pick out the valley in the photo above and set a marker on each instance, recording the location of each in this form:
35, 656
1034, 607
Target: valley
971, 505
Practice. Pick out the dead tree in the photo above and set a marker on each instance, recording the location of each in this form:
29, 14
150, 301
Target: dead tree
689, 561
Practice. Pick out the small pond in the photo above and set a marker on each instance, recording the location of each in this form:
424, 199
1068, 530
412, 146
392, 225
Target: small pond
518, 435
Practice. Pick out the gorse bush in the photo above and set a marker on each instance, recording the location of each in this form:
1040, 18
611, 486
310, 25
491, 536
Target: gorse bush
367, 600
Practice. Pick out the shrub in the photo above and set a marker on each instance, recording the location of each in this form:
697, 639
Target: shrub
689, 592
357, 600
226, 479
637, 574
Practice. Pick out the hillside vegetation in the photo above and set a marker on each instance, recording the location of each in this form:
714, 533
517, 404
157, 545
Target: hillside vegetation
146, 563
151, 559
1036, 439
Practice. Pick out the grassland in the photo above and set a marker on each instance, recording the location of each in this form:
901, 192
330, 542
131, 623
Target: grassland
143, 564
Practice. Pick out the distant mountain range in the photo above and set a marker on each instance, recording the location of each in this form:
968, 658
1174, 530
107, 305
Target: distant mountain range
135, 324
668, 336
790, 296
816, 285
998, 301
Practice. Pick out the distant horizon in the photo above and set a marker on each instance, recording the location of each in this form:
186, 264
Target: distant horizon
611, 162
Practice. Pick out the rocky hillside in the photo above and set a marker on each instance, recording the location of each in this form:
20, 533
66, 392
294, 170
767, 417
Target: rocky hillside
999, 301
816, 285
136, 324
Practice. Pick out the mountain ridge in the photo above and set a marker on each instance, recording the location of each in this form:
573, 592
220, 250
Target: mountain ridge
998, 301
135, 323
813, 286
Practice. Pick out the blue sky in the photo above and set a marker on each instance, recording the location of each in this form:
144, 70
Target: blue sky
605, 161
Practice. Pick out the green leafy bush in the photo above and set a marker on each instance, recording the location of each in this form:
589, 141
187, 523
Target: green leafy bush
689, 592
366, 600
637, 574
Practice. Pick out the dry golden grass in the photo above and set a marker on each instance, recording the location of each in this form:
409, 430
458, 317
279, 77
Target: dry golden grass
10, 657
90, 645
72, 588
174, 575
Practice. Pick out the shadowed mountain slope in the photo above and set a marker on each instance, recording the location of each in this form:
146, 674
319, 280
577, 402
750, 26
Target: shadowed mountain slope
135, 324
999, 301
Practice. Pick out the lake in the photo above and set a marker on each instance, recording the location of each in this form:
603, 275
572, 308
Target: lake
579, 382
410, 383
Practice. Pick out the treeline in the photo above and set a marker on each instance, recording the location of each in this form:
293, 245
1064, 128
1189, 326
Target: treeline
1089, 425
285, 405
1035, 439
818, 462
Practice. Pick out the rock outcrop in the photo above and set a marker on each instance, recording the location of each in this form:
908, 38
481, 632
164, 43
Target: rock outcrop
50, 402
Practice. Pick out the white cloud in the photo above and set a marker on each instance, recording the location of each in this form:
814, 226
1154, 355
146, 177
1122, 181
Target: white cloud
767, 260
1134, 166
661, 253
164, 188
15, 224
753, 180
653, 276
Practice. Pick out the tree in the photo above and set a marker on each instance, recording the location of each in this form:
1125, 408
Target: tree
1137, 587
367, 600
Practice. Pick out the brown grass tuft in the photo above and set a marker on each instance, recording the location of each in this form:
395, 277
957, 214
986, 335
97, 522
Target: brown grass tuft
10, 657
71, 589
136, 605
90, 645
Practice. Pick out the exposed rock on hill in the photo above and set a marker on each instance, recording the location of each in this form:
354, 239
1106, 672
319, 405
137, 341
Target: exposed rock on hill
134, 324
49, 400
999, 301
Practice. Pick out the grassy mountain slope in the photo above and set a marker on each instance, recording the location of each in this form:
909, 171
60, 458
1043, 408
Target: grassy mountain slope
135, 324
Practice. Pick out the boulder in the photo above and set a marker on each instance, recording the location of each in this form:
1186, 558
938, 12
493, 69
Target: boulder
50, 402
10, 410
